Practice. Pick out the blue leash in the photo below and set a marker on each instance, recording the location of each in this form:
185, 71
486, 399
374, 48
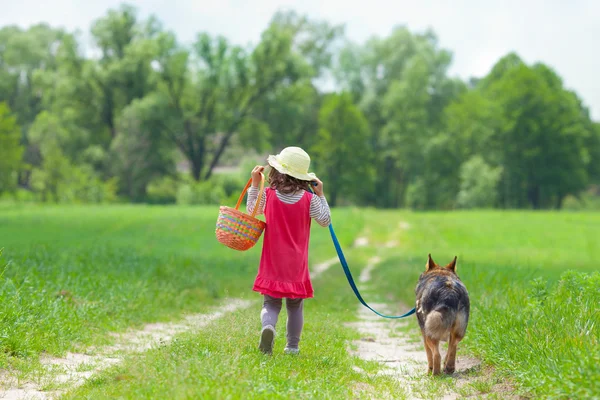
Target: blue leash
336, 243
340, 254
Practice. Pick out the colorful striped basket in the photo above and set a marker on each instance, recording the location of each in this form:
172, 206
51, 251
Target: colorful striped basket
237, 230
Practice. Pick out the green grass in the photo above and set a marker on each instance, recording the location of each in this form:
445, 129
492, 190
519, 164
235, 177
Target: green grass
222, 361
534, 290
531, 278
68, 275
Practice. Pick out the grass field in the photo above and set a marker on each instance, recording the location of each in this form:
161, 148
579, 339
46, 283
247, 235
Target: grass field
75, 274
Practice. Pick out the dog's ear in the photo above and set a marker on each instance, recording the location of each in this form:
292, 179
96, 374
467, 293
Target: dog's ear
452, 265
430, 263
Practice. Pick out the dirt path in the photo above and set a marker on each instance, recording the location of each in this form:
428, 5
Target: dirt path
320, 268
75, 368
404, 359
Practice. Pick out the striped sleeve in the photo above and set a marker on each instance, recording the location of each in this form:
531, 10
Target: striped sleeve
319, 210
251, 201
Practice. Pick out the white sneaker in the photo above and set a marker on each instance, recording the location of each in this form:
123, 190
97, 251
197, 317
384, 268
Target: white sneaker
267, 339
289, 350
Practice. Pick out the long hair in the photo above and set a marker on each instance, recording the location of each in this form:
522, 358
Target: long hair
286, 184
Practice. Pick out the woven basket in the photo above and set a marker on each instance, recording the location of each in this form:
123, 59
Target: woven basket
237, 230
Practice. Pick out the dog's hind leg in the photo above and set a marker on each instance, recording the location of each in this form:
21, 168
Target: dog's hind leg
429, 355
456, 335
434, 347
450, 359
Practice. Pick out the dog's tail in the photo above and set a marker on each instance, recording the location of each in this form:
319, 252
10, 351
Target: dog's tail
438, 323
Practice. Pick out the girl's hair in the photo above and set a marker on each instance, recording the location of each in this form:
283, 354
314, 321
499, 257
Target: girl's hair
284, 183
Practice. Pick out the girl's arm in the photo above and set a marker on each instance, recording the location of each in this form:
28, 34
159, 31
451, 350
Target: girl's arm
254, 191
319, 210
251, 202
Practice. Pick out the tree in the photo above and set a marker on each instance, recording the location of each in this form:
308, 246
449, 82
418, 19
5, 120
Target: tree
215, 100
23, 54
140, 152
73, 101
291, 112
342, 150
541, 144
593, 146
11, 151
471, 124
402, 87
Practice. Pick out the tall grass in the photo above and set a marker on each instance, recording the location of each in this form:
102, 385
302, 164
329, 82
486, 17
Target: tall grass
68, 275
534, 291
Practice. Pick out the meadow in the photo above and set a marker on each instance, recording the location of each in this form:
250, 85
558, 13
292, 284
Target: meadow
70, 276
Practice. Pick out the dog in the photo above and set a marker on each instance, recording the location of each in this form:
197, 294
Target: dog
442, 304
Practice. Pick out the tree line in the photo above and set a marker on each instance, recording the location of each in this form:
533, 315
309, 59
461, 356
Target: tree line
398, 131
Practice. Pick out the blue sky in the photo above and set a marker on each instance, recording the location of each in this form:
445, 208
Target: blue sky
559, 33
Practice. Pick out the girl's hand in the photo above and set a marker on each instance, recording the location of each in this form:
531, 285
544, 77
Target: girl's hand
256, 175
318, 188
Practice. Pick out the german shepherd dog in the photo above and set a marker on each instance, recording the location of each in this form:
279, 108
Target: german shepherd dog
442, 311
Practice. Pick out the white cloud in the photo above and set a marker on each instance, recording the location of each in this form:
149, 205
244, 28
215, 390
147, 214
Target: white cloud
558, 33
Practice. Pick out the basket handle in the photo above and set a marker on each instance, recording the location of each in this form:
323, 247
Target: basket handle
260, 194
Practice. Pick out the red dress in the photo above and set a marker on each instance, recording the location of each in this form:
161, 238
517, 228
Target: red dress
283, 270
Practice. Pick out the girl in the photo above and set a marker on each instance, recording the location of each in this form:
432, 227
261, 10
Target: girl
283, 272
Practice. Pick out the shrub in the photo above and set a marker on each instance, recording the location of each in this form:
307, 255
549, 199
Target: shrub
478, 184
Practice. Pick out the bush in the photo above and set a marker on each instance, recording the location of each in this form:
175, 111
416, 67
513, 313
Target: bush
162, 191
200, 193
587, 201
232, 184
72, 184
19, 195
416, 195
478, 184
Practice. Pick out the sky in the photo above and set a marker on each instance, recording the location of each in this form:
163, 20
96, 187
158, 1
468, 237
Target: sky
560, 33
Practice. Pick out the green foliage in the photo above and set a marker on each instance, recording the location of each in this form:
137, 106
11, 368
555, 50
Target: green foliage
416, 195
401, 85
533, 286
232, 184
87, 270
200, 193
291, 114
11, 150
60, 182
541, 145
220, 189
342, 152
593, 147
69, 275
140, 153
162, 191
588, 200
478, 184
148, 101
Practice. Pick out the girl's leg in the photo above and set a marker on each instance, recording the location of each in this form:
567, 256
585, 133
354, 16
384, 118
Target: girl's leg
295, 322
270, 311
268, 315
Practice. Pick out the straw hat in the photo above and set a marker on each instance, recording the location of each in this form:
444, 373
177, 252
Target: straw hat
292, 161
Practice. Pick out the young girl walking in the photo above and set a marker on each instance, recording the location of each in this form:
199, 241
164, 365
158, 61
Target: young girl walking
283, 272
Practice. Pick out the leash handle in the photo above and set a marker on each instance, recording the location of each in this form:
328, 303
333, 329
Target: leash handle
340, 253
